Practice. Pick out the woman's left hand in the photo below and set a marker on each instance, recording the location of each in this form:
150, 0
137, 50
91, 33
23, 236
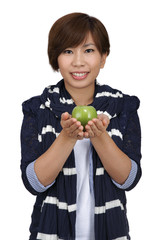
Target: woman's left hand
96, 126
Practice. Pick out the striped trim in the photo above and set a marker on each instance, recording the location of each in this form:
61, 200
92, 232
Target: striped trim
48, 103
48, 128
99, 171
109, 205
55, 90
42, 106
42, 236
68, 101
39, 138
60, 205
115, 132
109, 94
121, 238
69, 171
45, 130
106, 113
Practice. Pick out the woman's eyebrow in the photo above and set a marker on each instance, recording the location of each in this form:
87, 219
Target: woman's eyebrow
88, 44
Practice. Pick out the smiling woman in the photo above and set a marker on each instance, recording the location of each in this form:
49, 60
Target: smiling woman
79, 67
75, 27
80, 171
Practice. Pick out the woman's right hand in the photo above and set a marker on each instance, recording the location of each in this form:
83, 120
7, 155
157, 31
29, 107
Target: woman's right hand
71, 126
51, 162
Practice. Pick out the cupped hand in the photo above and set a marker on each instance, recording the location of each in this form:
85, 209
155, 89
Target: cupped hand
71, 126
96, 126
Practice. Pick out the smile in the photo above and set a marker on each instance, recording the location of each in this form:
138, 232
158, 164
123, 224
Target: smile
79, 76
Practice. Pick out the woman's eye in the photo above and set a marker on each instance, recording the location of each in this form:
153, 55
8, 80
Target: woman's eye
89, 50
67, 51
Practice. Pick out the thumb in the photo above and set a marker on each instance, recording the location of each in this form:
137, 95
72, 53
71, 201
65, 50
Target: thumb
106, 121
65, 116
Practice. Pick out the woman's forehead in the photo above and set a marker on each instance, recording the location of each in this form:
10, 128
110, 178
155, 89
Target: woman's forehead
87, 41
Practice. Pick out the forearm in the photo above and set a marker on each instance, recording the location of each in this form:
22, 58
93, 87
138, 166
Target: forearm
49, 164
115, 162
34, 181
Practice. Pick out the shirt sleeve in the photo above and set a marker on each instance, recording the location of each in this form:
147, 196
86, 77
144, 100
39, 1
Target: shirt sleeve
131, 130
30, 146
33, 179
130, 178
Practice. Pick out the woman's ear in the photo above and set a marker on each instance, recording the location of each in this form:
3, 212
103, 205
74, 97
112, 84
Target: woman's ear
103, 59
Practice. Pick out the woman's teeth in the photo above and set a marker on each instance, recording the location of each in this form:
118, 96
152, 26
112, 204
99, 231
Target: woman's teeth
79, 74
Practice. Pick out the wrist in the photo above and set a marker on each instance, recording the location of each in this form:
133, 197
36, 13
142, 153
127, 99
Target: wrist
101, 137
66, 138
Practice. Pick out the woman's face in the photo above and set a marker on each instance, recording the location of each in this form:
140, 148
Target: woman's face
80, 66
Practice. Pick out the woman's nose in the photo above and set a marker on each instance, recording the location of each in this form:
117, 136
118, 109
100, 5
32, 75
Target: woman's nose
78, 60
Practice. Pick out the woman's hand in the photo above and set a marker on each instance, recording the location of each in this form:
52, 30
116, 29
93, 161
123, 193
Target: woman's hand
71, 126
96, 126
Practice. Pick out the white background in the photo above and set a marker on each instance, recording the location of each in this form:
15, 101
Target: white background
133, 67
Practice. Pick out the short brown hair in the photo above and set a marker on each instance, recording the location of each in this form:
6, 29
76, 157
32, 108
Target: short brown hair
71, 30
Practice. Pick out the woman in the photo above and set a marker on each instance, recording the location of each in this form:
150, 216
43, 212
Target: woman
79, 174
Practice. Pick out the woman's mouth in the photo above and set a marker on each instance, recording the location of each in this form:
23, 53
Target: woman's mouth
79, 75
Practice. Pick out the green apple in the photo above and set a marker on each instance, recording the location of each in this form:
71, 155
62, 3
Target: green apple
84, 114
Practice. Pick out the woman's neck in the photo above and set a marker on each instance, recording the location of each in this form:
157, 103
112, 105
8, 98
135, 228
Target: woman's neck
83, 96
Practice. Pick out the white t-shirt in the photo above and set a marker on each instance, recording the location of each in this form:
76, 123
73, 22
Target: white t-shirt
85, 196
